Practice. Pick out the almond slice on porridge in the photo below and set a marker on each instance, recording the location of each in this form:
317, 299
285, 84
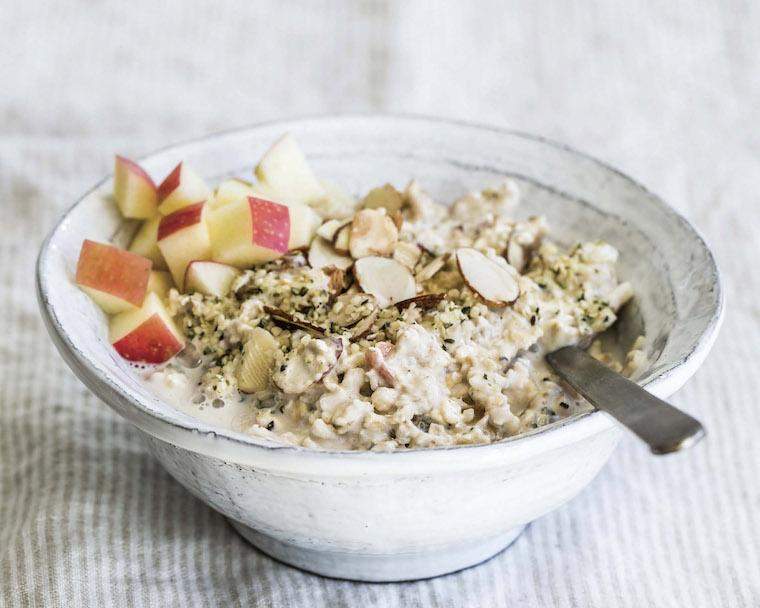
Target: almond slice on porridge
431, 269
494, 283
322, 255
386, 279
516, 255
372, 233
340, 241
407, 253
288, 321
330, 227
424, 301
386, 197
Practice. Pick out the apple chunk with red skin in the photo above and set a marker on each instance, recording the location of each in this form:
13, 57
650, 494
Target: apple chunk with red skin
115, 279
134, 190
249, 231
182, 238
211, 278
147, 334
181, 188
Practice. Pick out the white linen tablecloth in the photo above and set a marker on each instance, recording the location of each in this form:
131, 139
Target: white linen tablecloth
669, 91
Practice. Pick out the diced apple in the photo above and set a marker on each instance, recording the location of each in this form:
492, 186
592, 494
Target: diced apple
182, 238
181, 188
211, 278
134, 190
145, 243
160, 282
304, 222
147, 334
230, 190
116, 279
248, 232
284, 169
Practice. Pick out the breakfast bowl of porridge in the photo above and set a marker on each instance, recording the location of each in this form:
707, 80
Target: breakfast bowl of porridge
333, 330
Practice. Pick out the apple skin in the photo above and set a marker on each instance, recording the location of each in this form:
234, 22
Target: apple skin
249, 231
183, 237
181, 188
150, 342
182, 218
270, 224
134, 190
170, 183
147, 334
120, 276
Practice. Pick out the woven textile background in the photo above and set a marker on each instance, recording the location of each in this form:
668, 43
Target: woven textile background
667, 90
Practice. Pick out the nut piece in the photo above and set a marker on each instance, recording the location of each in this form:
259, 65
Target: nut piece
494, 283
286, 320
322, 255
259, 355
363, 327
350, 309
372, 233
386, 197
386, 279
516, 255
428, 272
424, 301
337, 280
330, 227
341, 239
407, 253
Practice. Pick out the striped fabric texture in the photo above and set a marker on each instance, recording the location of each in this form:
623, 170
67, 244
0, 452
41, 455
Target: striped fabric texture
667, 91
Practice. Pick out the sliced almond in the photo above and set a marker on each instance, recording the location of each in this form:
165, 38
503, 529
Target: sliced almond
408, 254
494, 283
363, 327
330, 227
386, 197
372, 233
337, 279
424, 301
286, 320
429, 271
341, 239
398, 219
516, 255
386, 279
350, 308
322, 255
259, 355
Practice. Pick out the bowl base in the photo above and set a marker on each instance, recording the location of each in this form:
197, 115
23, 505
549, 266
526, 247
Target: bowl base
376, 568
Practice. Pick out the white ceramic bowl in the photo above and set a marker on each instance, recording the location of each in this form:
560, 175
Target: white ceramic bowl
417, 513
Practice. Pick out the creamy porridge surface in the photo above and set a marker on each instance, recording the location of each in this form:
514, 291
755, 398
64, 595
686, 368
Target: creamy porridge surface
329, 358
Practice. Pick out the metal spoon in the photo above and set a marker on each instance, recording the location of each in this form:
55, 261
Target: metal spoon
660, 425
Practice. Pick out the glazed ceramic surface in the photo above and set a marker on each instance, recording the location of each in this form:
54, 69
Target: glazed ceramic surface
417, 513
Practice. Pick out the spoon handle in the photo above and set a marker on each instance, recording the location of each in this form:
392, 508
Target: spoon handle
663, 427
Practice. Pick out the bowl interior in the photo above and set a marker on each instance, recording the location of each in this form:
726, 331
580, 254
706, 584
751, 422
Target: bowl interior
678, 300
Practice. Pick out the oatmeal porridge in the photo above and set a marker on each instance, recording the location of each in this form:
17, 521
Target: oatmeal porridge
299, 314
